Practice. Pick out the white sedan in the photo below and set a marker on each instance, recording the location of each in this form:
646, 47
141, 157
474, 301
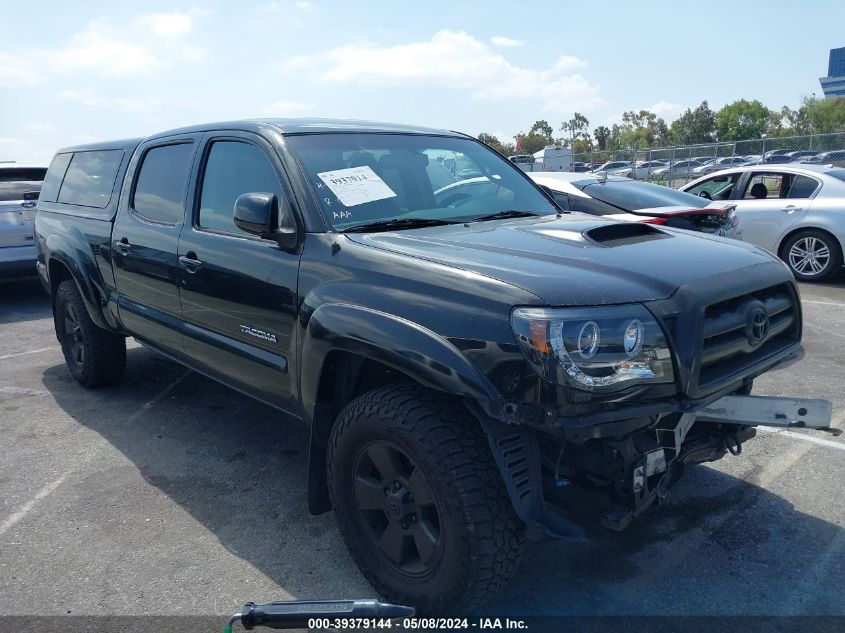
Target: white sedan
794, 211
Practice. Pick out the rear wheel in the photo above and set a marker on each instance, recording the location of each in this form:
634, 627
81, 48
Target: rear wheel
812, 255
419, 500
94, 356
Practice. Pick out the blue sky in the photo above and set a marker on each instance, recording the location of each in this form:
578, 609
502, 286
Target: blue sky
77, 72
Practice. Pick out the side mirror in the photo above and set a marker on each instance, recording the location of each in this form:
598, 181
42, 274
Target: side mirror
258, 214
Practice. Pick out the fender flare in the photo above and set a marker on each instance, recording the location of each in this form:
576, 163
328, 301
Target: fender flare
394, 341
389, 339
84, 272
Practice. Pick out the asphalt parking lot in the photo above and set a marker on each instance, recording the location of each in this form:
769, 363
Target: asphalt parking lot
171, 494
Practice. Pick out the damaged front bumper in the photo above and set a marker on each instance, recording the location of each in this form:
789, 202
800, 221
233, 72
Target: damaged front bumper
635, 468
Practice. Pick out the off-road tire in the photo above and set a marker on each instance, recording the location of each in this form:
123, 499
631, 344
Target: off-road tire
95, 357
481, 535
833, 260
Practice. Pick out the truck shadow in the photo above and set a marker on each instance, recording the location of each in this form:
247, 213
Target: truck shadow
23, 300
723, 545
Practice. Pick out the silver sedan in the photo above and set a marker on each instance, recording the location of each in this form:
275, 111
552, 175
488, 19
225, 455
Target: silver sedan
19, 188
794, 211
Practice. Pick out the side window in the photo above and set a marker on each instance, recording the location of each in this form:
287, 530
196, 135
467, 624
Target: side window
717, 188
160, 187
54, 177
762, 186
802, 187
233, 169
562, 200
583, 204
90, 178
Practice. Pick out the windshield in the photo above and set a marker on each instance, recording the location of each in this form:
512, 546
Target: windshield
365, 178
632, 196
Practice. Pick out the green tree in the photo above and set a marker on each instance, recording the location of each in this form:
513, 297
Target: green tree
825, 115
602, 134
531, 142
491, 140
742, 120
694, 126
639, 129
542, 128
574, 130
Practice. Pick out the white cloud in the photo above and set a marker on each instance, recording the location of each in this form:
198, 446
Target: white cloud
96, 50
15, 72
667, 109
107, 50
126, 104
175, 23
456, 59
505, 42
277, 6
286, 108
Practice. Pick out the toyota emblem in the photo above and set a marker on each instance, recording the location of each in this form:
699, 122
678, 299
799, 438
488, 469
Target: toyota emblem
757, 327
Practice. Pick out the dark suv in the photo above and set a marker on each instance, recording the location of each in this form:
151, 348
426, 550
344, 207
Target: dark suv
463, 351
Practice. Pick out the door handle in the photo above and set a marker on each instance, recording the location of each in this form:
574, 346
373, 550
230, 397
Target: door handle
790, 209
190, 262
122, 246
28, 205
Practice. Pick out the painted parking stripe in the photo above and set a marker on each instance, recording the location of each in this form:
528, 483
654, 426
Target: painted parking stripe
824, 303
20, 513
32, 351
807, 438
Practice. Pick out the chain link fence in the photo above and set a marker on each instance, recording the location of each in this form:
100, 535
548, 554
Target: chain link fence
677, 165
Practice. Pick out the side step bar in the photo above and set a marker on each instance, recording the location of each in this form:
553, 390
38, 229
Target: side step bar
789, 413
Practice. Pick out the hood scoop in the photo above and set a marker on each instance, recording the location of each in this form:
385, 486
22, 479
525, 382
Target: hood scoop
624, 233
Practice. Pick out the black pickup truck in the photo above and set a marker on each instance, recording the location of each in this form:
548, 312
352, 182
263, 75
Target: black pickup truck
465, 353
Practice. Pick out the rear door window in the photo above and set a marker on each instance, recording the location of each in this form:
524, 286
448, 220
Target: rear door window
54, 177
160, 187
89, 179
802, 187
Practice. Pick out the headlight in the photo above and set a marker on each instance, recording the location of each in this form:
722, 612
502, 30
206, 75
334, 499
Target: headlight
605, 348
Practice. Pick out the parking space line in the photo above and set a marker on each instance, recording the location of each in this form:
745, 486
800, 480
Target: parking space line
32, 351
824, 303
16, 516
807, 438
19, 514
818, 328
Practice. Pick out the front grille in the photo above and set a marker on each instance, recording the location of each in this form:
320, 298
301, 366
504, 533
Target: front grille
731, 340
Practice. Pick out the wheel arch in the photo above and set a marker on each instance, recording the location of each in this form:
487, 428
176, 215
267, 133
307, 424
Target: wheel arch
348, 350
806, 227
66, 261
61, 269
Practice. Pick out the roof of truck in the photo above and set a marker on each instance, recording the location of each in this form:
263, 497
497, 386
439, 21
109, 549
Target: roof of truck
308, 126
127, 144
285, 126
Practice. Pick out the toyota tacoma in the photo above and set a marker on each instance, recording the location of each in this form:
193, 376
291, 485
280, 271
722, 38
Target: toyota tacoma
463, 350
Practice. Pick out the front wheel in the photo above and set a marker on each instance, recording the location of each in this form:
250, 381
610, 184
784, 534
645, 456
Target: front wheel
419, 500
95, 357
812, 255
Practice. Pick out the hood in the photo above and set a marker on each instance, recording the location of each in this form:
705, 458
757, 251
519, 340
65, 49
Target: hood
576, 259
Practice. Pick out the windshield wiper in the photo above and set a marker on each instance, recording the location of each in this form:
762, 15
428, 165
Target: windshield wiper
502, 215
396, 223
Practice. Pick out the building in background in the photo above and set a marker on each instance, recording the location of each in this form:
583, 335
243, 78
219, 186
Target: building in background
834, 84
